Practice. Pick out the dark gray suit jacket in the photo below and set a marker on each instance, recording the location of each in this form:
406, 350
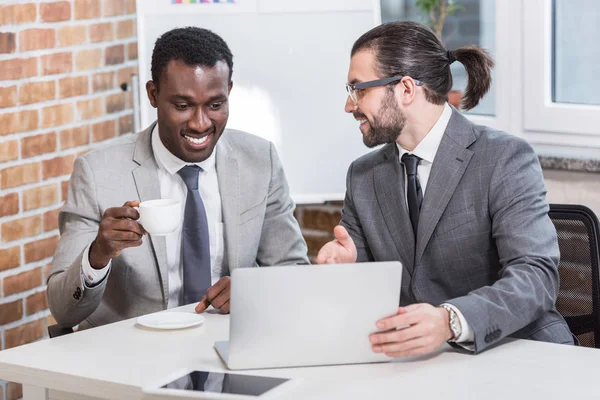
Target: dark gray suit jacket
485, 242
259, 225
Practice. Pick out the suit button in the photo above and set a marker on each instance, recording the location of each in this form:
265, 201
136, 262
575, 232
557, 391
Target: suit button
488, 338
77, 294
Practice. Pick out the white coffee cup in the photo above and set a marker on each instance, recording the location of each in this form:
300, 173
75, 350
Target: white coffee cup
160, 217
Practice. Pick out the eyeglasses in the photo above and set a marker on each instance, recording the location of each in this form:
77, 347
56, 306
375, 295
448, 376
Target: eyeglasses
352, 89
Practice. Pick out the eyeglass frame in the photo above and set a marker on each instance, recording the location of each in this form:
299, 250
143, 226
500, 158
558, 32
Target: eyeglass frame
351, 88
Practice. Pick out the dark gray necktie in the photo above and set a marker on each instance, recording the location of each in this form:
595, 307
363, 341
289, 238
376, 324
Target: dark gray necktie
414, 195
195, 242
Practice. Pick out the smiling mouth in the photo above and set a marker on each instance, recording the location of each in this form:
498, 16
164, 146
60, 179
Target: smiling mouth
198, 143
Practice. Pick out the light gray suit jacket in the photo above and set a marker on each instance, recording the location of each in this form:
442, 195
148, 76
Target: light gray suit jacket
259, 225
485, 242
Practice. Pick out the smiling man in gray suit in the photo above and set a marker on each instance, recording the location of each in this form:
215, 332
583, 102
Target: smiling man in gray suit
235, 200
461, 206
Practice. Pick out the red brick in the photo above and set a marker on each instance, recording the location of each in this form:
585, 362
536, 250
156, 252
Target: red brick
14, 391
36, 39
9, 205
35, 92
64, 189
7, 42
89, 109
21, 282
11, 312
54, 12
40, 196
39, 144
132, 51
126, 29
10, 258
114, 7
102, 32
74, 137
103, 130
50, 320
40, 249
115, 102
125, 124
114, 55
8, 96
71, 35
17, 14
18, 68
73, 86
103, 81
58, 63
57, 115
21, 228
9, 150
88, 59
58, 166
23, 334
86, 9
130, 6
51, 220
124, 74
36, 302
20, 175
18, 122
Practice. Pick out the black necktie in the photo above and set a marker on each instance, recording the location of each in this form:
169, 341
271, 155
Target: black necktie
414, 195
195, 242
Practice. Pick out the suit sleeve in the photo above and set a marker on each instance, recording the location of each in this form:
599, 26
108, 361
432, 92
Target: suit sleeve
351, 222
69, 299
527, 247
281, 241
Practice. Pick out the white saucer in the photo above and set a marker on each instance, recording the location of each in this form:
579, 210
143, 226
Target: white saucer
170, 320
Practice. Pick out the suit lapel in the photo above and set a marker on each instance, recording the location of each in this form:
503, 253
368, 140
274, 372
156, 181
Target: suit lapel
229, 187
389, 189
449, 165
145, 177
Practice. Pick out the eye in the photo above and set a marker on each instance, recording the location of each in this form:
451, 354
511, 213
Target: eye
216, 106
181, 106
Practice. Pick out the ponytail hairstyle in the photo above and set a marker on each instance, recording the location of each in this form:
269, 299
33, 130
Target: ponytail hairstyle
412, 49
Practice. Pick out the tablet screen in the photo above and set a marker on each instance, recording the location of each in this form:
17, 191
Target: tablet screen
219, 382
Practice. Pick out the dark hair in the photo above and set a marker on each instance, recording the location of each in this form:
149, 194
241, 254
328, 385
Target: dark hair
410, 48
193, 46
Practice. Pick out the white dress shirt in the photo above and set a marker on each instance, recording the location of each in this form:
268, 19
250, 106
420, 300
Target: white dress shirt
173, 187
426, 150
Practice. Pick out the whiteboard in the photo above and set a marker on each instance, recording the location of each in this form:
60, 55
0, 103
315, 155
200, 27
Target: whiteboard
291, 62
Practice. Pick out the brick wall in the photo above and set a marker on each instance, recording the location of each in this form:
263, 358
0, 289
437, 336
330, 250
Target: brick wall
61, 63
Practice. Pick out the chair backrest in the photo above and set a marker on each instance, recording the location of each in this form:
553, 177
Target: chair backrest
579, 269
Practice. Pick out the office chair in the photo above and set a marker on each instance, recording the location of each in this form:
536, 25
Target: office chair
578, 300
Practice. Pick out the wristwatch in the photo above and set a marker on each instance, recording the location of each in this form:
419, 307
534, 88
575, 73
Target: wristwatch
455, 326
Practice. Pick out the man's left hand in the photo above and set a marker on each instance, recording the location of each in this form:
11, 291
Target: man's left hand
423, 328
217, 295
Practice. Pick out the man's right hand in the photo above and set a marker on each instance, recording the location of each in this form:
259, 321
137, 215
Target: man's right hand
339, 251
118, 230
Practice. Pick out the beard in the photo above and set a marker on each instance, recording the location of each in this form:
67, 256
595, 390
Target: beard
387, 126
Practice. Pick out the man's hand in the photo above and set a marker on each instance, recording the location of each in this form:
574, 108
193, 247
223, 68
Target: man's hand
118, 230
423, 329
339, 251
218, 295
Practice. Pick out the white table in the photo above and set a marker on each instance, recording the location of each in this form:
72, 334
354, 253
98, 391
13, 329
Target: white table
116, 361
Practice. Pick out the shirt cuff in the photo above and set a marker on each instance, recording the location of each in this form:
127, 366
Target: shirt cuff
91, 277
466, 337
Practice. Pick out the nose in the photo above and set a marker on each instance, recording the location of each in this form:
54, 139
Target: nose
350, 107
200, 121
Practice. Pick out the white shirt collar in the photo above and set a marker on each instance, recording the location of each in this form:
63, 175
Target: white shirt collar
171, 163
427, 148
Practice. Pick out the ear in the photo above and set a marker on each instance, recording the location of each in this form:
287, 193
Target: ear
408, 89
152, 92
230, 86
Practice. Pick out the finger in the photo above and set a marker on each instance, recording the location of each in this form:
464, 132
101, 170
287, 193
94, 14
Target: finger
411, 352
122, 212
341, 234
400, 320
399, 335
132, 203
123, 236
401, 348
222, 299
222, 284
325, 253
202, 305
225, 308
127, 225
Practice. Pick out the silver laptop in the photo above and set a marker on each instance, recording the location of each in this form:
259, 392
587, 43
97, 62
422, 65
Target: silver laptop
308, 315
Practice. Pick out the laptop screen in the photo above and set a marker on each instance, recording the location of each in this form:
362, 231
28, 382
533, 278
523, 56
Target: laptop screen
219, 382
